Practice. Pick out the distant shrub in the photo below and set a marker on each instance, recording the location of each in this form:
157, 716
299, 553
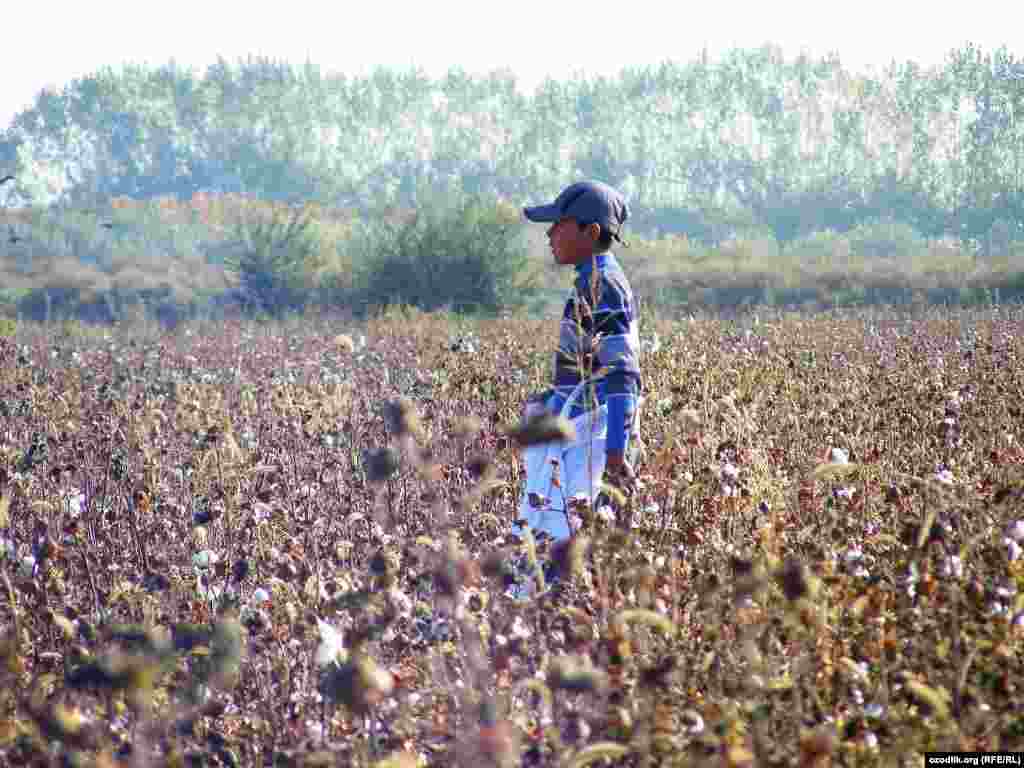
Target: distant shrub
886, 239
272, 260
65, 303
161, 287
825, 247
50, 303
875, 240
10, 297
464, 253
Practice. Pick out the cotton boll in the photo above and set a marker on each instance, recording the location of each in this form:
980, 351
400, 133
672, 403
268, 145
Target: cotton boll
76, 501
331, 648
874, 711
519, 628
1013, 549
211, 593
853, 555
1016, 531
839, 456
693, 723
953, 568
401, 602
314, 730
204, 558
27, 567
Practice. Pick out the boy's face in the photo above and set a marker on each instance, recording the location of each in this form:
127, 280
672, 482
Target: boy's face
570, 244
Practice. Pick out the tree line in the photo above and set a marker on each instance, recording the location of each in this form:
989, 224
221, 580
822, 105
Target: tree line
707, 148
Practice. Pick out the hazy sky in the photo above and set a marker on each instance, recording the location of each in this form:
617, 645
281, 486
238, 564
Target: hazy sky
50, 43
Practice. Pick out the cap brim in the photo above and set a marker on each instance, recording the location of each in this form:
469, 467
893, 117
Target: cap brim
543, 214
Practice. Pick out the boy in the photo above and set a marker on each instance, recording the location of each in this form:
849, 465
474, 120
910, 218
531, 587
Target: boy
599, 324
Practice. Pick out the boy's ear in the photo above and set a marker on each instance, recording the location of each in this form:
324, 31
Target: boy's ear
593, 231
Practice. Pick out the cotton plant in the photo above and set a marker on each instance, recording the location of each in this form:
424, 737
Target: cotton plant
636, 520
202, 563
204, 559
856, 561
575, 507
651, 345
950, 428
254, 608
432, 626
75, 502
728, 479
1003, 598
401, 602
470, 600
844, 493
210, 593
841, 457
952, 568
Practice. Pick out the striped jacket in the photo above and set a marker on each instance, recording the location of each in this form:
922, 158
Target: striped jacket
600, 307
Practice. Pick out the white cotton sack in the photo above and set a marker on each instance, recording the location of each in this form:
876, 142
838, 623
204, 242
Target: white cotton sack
580, 469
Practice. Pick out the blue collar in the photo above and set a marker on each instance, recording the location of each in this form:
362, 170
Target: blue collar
603, 260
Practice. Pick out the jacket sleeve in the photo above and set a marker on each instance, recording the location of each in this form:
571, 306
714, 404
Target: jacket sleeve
614, 325
621, 409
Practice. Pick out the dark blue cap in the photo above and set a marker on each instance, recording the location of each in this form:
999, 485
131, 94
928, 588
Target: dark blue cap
587, 202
